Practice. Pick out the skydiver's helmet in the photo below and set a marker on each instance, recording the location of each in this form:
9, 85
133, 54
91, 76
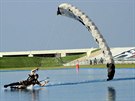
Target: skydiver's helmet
36, 76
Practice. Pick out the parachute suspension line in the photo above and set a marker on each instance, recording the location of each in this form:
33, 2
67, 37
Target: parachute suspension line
71, 11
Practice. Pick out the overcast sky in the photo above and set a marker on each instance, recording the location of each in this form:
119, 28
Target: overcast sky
34, 25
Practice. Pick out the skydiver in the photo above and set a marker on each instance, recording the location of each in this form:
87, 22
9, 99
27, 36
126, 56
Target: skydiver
31, 80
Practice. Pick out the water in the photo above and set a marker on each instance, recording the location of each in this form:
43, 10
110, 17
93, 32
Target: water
69, 85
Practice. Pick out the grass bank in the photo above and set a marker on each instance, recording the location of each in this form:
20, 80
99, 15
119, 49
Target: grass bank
62, 67
28, 63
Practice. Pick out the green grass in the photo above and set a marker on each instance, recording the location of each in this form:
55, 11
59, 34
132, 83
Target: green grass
27, 63
71, 58
95, 50
125, 65
11, 62
104, 66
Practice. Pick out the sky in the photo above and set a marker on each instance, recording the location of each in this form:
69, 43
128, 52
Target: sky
27, 25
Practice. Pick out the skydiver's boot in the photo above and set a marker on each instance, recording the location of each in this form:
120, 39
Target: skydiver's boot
5, 86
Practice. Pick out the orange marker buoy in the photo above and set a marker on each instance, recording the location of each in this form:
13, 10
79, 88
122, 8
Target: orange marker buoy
77, 67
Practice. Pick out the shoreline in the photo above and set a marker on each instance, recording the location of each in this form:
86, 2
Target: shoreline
65, 67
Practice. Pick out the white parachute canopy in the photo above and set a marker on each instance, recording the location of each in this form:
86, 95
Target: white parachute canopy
73, 12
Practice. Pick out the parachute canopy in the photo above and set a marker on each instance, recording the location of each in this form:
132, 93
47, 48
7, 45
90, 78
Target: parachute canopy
71, 11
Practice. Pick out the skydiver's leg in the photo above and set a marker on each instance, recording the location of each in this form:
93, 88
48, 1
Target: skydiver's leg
22, 87
111, 71
12, 84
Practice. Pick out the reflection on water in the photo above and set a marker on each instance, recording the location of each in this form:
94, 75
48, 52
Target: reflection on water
31, 95
35, 95
111, 94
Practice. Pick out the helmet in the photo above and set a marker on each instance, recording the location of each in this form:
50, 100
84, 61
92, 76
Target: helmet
36, 76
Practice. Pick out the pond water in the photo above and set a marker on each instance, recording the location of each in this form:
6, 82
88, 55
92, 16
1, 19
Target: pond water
88, 84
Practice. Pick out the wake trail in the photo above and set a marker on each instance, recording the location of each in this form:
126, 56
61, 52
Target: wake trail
88, 81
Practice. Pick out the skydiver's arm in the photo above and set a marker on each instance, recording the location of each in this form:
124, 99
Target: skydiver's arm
41, 84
